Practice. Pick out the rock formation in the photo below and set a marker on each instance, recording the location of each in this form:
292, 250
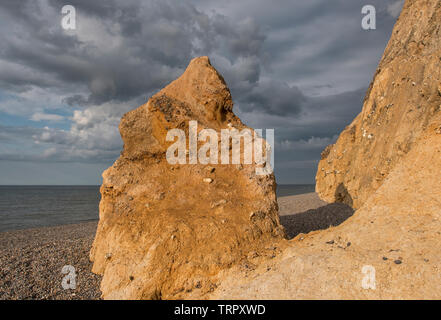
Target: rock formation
165, 233
394, 236
167, 230
387, 163
401, 102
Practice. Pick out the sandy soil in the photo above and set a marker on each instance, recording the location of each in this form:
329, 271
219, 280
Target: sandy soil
31, 260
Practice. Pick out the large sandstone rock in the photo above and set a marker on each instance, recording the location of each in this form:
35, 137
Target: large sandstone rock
387, 163
403, 98
396, 233
166, 231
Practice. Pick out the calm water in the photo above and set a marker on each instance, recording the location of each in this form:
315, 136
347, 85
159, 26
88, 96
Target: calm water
293, 189
36, 206
24, 207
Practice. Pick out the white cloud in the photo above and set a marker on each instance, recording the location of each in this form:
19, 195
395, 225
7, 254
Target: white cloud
394, 9
46, 117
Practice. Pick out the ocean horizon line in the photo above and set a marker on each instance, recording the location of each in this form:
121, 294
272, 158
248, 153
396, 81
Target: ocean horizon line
98, 185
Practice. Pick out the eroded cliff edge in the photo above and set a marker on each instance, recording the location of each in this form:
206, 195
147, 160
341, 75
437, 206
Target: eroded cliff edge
402, 100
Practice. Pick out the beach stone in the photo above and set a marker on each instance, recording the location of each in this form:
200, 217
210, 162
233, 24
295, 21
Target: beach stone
168, 241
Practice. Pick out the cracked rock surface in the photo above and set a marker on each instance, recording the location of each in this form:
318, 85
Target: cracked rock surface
167, 230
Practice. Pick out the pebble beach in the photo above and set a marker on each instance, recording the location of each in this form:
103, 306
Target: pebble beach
31, 260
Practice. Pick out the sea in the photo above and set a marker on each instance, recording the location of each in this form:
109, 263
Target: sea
24, 207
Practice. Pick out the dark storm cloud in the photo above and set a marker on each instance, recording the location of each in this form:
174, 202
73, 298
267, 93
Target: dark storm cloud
301, 67
318, 40
121, 51
272, 97
76, 100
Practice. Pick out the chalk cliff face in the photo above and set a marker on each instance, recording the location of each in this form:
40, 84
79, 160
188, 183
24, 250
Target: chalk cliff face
167, 230
402, 101
387, 163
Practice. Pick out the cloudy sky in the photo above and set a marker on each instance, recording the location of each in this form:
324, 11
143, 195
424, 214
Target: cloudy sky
300, 67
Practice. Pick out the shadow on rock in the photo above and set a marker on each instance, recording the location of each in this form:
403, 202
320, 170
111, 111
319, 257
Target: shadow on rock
342, 195
316, 219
